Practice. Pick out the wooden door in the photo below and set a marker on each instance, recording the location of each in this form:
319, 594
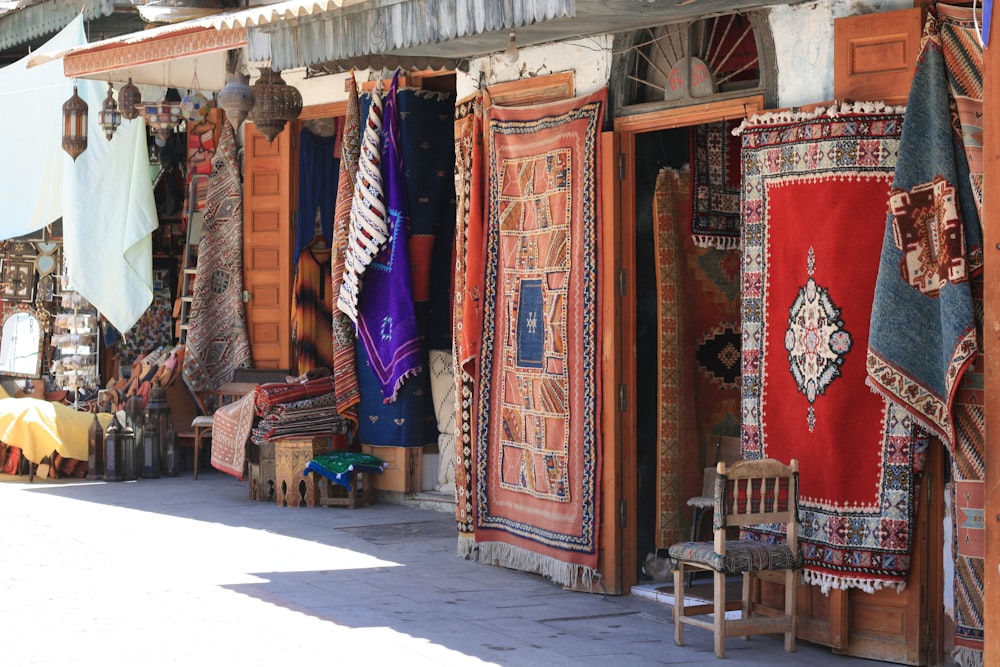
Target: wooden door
619, 271
267, 246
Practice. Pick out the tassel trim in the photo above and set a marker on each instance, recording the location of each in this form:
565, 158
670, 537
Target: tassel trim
717, 242
833, 111
517, 558
826, 581
967, 657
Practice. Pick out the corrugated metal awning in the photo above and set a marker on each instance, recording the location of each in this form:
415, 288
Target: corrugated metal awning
456, 30
388, 27
171, 54
27, 22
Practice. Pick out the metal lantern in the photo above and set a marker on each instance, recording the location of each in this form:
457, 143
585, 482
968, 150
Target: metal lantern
95, 449
109, 117
169, 456
194, 107
151, 447
129, 100
163, 117
132, 466
158, 421
276, 103
236, 98
114, 453
74, 136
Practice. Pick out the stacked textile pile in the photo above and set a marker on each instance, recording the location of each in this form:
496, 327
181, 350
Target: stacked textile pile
296, 409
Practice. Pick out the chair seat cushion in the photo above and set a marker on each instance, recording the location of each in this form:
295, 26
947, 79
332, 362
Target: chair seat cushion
741, 556
201, 421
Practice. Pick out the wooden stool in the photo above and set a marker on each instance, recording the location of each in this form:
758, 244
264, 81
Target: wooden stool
291, 487
261, 471
362, 491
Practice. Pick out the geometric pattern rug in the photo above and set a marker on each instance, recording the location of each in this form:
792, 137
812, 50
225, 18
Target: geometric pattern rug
537, 449
813, 211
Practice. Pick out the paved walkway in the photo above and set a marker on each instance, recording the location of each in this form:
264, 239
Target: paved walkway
183, 572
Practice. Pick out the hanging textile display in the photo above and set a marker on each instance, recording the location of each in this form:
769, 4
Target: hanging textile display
368, 228
806, 287
467, 308
927, 315
429, 156
716, 186
387, 324
312, 310
217, 342
345, 374
318, 169
923, 332
537, 449
674, 398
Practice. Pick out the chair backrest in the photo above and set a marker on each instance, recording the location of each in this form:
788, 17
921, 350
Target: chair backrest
755, 492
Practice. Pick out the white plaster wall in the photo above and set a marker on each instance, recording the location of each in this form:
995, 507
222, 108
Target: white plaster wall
803, 39
588, 57
803, 44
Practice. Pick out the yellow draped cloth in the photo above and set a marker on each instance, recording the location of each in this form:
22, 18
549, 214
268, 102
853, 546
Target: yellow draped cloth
39, 428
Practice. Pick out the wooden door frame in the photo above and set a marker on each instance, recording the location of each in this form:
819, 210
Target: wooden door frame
619, 257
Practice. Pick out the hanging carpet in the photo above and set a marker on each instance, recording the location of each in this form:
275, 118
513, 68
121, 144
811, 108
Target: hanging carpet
217, 342
345, 375
923, 323
467, 308
537, 449
806, 287
716, 174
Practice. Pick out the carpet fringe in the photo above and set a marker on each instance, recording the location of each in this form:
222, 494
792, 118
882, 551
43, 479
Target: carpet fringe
967, 657
517, 558
827, 581
794, 116
466, 545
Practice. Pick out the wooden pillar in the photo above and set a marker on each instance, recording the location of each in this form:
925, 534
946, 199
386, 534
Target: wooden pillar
991, 336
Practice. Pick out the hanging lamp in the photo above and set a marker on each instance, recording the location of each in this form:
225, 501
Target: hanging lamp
74, 135
163, 117
276, 103
194, 106
236, 98
109, 118
129, 100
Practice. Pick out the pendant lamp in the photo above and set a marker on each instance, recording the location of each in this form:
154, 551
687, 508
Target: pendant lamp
163, 117
276, 103
74, 135
109, 117
194, 106
236, 98
129, 100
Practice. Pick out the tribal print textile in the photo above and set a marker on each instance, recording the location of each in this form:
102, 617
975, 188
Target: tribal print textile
807, 285
537, 449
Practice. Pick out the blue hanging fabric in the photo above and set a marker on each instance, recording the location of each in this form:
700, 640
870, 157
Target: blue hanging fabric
318, 169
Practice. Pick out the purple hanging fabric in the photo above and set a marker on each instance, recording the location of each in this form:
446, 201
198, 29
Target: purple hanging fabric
387, 324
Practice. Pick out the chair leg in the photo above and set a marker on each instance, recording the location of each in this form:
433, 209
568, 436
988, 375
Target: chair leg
197, 452
747, 607
791, 593
679, 604
720, 614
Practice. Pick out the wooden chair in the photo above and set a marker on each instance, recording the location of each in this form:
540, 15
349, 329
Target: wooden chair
727, 449
746, 494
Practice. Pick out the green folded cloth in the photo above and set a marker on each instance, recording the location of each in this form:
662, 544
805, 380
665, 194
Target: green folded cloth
338, 466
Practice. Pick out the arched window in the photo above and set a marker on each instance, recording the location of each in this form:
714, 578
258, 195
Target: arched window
681, 64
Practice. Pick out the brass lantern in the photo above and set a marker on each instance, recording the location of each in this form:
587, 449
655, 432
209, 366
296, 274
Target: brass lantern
109, 117
129, 100
276, 103
74, 136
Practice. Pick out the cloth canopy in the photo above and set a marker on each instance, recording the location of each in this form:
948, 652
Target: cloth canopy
105, 197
